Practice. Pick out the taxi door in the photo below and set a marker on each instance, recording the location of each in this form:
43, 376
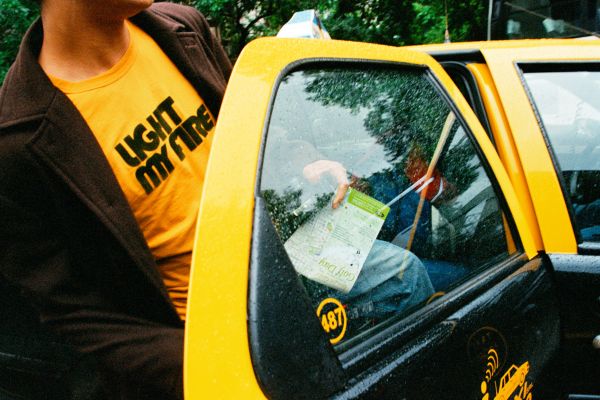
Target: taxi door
550, 97
358, 237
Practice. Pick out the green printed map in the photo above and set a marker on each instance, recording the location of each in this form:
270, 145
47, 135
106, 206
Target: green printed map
331, 247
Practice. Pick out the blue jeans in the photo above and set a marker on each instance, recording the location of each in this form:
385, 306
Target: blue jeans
392, 280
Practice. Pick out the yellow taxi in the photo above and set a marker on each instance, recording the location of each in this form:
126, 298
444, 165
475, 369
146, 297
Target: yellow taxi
467, 243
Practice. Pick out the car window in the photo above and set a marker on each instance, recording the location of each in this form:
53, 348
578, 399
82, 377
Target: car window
421, 215
569, 108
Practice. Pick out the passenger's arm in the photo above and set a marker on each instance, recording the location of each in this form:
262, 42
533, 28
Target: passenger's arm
314, 171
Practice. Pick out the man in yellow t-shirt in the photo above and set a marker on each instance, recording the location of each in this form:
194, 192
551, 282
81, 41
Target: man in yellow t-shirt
104, 150
157, 139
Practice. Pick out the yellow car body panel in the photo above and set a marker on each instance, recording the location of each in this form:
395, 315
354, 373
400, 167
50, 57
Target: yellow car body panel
547, 47
505, 146
218, 363
544, 186
517, 132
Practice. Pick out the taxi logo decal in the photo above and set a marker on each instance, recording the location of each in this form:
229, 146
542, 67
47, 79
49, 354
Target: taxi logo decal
488, 351
479, 345
513, 383
492, 364
332, 315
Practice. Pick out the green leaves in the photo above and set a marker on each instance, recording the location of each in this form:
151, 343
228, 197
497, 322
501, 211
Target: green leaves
240, 21
15, 18
466, 20
392, 22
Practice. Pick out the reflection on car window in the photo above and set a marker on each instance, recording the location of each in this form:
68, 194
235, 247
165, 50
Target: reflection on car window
420, 215
569, 107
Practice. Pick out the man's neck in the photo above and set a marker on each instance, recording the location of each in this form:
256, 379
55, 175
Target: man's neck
78, 45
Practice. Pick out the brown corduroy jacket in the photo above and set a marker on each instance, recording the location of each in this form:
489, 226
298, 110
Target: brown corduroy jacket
68, 237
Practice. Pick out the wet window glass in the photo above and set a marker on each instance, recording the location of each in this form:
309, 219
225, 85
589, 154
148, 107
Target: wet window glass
377, 193
569, 107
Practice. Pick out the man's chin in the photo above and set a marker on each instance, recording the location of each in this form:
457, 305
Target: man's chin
141, 5
128, 8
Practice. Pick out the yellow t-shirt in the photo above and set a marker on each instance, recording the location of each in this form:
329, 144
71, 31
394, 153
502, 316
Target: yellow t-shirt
156, 133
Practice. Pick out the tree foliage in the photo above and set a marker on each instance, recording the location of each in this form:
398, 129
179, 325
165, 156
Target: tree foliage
15, 18
466, 20
375, 21
243, 20
393, 22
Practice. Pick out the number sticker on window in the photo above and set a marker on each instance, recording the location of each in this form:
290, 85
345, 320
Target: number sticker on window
333, 319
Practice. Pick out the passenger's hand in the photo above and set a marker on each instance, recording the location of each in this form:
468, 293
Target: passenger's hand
314, 171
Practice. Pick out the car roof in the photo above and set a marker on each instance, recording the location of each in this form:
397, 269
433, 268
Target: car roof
459, 47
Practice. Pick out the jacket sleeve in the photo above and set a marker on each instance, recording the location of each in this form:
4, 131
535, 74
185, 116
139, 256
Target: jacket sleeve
140, 359
139, 356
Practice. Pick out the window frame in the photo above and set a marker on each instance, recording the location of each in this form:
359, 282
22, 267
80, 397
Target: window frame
370, 350
458, 70
524, 67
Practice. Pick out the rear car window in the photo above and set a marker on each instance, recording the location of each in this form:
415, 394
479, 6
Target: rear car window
569, 108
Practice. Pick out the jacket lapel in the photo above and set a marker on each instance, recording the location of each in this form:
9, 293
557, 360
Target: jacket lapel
68, 147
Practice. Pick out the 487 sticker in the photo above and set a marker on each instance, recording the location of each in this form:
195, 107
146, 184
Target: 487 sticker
333, 319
